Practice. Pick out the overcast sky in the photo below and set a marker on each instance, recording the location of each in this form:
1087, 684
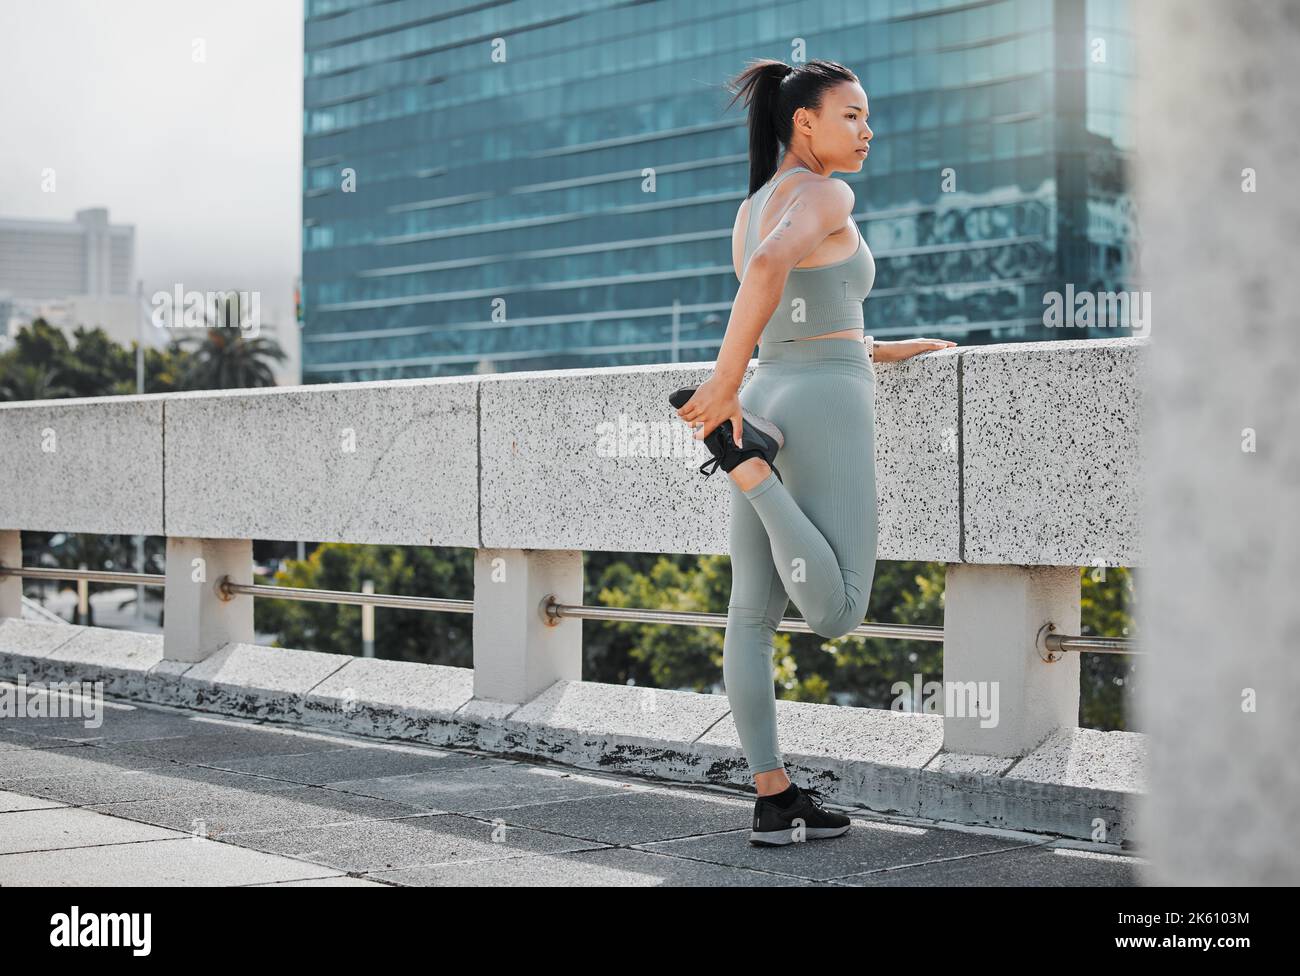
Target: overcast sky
203, 158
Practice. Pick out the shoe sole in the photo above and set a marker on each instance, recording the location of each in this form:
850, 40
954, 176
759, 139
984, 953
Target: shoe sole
779, 838
765, 425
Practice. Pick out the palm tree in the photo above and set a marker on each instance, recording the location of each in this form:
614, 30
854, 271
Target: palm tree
225, 360
27, 381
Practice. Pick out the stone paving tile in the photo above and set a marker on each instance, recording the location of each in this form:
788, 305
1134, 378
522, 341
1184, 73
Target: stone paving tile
66, 827
13, 802
182, 860
12, 741
378, 845
115, 723
1038, 866
111, 785
611, 867
219, 810
215, 746
20, 765
639, 814
868, 844
352, 763
488, 787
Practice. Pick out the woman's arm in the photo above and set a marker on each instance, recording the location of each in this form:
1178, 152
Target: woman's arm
818, 210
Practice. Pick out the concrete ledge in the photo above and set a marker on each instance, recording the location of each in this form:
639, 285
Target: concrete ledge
1017, 453
387, 462
254, 681
122, 659
1051, 452
68, 464
645, 731
1078, 783
393, 700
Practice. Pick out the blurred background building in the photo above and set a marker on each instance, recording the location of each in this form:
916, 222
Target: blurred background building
70, 272
81, 273
553, 185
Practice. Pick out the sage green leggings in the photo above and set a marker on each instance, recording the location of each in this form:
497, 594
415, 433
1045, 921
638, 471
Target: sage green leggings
810, 538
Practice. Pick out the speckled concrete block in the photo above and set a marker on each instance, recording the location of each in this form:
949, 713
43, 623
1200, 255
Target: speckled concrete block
967, 763
253, 681
604, 726
45, 653
122, 659
918, 470
26, 647
376, 463
1080, 783
89, 464
596, 459
1115, 761
393, 700
1051, 452
869, 756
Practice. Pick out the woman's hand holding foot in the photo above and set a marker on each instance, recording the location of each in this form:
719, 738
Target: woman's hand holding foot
714, 401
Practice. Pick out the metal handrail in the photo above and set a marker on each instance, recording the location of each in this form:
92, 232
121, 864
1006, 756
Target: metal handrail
228, 589
1050, 644
94, 575
553, 611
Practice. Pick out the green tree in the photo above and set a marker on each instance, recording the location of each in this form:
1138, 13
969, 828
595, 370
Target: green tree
854, 671
1106, 680
401, 635
25, 381
45, 364
226, 360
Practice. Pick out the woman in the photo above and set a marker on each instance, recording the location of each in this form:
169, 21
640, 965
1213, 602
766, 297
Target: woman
803, 530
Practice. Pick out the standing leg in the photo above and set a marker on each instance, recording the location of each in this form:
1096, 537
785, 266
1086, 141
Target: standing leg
758, 602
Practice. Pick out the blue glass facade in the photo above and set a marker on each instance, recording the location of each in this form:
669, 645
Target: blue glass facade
552, 185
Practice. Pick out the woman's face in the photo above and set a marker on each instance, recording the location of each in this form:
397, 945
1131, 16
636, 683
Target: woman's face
840, 134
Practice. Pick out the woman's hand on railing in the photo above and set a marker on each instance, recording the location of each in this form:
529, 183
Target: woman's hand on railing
892, 352
713, 402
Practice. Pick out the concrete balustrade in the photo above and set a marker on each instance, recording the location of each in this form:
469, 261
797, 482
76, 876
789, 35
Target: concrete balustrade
1014, 464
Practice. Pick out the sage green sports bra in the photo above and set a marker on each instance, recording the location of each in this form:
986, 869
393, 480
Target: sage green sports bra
815, 300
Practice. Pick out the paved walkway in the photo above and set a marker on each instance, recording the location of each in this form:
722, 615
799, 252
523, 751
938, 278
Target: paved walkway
159, 796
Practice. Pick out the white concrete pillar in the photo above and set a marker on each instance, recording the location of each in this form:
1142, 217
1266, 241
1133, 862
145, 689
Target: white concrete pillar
992, 615
196, 621
517, 654
11, 587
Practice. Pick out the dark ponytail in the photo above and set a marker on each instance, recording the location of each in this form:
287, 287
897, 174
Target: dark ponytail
772, 91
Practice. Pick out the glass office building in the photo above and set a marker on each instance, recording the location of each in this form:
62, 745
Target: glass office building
549, 185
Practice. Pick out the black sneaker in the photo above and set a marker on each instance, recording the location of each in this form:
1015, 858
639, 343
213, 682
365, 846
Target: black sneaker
760, 438
803, 820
